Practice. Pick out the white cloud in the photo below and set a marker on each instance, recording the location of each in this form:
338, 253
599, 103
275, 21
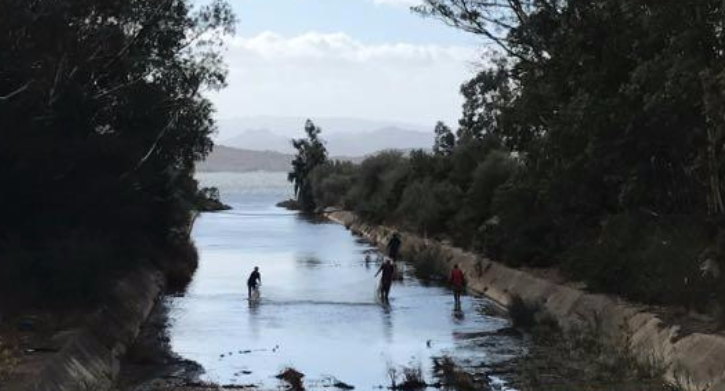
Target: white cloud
398, 3
318, 74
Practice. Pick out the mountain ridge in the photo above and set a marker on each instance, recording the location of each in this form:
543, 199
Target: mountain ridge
343, 144
229, 159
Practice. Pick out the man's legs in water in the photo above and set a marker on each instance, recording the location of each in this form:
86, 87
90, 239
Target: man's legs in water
385, 292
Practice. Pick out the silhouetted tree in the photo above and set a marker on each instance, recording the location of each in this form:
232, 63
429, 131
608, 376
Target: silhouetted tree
102, 118
311, 153
445, 140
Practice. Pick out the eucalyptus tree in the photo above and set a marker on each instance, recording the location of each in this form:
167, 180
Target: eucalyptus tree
311, 153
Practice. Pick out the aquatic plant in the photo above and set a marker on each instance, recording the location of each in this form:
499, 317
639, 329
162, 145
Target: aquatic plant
453, 377
406, 378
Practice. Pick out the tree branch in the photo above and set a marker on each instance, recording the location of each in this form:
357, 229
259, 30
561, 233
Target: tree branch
20, 90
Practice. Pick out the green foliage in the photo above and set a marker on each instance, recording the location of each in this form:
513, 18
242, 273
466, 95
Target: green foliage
652, 259
427, 261
594, 142
614, 111
497, 168
445, 140
428, 206
331, 181
523, 231
311, 153
379, 185
101, 121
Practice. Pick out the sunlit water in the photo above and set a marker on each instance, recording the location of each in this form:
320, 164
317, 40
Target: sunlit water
317, 311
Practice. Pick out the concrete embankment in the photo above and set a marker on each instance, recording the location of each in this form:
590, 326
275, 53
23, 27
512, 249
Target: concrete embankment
90, 356
692, 361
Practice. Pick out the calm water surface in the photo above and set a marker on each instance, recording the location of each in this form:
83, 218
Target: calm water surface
318, 311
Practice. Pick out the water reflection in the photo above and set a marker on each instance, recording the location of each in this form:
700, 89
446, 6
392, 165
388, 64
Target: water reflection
318, 310
387, 316
458, 315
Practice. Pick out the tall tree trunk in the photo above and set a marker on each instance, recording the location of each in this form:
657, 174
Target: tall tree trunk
717, 207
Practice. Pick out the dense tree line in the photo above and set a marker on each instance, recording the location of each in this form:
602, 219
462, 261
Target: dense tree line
101, 121
593, 142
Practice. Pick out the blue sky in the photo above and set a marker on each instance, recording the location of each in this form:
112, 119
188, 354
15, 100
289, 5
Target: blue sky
370, 59
366, 20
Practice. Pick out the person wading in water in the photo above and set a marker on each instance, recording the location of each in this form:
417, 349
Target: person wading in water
394, 246
255, 279
458, 284
386, 280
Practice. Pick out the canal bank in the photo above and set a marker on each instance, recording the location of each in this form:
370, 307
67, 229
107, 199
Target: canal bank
87, 353
690, 360
86, 348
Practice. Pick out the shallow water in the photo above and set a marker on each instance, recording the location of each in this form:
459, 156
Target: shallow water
318, 311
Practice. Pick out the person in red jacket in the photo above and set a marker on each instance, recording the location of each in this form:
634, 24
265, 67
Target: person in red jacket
458, 283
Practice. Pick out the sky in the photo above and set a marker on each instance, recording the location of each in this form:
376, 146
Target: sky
371, 59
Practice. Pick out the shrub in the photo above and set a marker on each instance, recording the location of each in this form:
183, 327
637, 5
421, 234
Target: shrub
427, 207
647, 258
331, 182
378, 185
494, 171
522, 315
523, 232
428, 262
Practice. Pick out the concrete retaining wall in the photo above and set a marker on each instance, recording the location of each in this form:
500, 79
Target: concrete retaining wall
90, 357
695, 362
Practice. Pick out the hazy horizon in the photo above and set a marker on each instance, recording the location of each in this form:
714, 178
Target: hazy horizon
343, 136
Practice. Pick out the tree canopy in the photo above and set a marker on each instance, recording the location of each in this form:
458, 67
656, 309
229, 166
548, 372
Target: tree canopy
592, 140
101, 121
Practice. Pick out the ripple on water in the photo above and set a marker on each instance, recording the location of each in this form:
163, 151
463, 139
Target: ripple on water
318, 311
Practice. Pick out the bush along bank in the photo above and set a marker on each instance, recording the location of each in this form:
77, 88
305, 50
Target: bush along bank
592, 141
692, 361
476, 196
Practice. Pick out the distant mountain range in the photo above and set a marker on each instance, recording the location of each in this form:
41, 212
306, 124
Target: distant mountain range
342, 144
264, 143
294, 126
226, 159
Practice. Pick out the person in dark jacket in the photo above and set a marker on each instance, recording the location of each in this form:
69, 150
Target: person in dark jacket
253, 282
387, 269
394, 246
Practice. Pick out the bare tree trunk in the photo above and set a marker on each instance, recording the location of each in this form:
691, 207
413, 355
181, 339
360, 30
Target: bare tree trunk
717, 206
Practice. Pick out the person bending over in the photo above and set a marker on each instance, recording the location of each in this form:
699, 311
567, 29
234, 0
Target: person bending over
255, 279
386, 280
